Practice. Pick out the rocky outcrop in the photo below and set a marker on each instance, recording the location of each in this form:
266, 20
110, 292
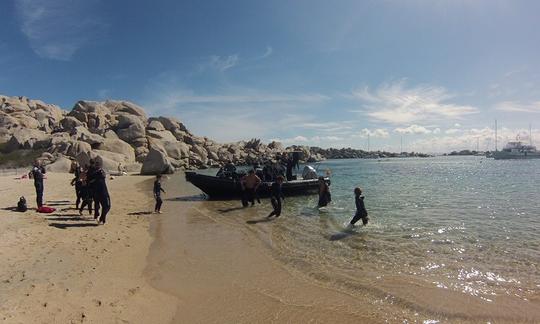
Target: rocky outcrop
119, 133
157, 161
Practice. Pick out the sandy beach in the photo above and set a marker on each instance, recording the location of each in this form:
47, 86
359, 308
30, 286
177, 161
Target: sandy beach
198, 262
62, 268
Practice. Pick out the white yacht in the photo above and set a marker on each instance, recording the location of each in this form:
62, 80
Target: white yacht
517, 150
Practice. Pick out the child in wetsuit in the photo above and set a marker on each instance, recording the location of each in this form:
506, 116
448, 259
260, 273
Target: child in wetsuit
276, 196
85, 193
157, 194
361, 212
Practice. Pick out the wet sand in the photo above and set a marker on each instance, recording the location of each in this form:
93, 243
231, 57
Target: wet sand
62, 268
220, 274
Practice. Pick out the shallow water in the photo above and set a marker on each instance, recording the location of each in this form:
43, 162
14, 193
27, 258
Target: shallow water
455, 237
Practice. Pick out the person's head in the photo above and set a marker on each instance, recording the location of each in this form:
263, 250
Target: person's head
280, 179
357, 191
251, 172
97, 164
37, 163
158, 176
92, 162
321, 179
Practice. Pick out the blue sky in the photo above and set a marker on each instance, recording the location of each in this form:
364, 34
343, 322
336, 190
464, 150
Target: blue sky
325, 73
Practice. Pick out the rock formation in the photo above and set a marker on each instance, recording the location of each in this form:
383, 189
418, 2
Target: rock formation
119, 134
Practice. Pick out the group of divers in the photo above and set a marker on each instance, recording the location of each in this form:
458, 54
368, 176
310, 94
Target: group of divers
91, 188
276, 174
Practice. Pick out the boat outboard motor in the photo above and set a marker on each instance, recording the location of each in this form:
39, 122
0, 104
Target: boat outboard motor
309, 173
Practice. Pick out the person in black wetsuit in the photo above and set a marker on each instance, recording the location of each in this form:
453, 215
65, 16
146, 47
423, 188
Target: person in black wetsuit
324, 193
276, 197
37, 173
85, 193
77, 182
91, 184
361, 212
157, 194
101, 194
289, 165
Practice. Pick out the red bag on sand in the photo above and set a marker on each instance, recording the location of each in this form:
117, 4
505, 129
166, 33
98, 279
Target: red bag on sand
45, 209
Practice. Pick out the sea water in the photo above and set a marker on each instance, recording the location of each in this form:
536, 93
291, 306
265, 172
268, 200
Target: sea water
444, 233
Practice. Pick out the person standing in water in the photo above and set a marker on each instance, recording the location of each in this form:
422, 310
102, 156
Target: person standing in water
276, 197
157, 194
250, 184
37, 173
324, 193
361, 212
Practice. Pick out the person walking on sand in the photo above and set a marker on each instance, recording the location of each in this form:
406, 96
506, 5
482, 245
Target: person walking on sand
157, 194
77, 182
361, 212
250, 184
85, 194
37, 173
324, 193
276, 197
101, 193
91, 184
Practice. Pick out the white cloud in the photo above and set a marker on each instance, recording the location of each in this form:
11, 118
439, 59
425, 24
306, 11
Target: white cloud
376, 133
220, 63
104, 93
452, 131
512, 106
437, 131
314, 140
233, 113
57, 29
393, 103
267, 53
469, 138
177, 98
457, 125
413, 129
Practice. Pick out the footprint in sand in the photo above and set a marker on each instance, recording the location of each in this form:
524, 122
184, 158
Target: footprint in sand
133, 291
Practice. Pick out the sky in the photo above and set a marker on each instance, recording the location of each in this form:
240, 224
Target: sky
433, 75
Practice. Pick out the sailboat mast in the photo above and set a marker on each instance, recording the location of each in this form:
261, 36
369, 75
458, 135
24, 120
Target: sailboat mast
530, 134
495, 135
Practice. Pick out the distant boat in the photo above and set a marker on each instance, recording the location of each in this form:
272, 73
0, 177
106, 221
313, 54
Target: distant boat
517, 150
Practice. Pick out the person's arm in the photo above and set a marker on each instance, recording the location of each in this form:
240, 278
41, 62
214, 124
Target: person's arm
257, 182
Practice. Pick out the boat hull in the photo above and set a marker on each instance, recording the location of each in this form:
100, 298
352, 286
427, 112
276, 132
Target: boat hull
514, 156
223, 188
